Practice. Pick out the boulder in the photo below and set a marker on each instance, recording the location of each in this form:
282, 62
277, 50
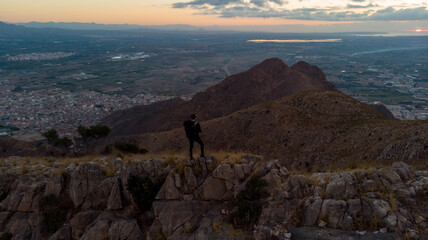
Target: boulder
4, 218
312, 212
296, 186
213, 189
64, 233
125, 230
83, 180
168, 190
333, 211
380, 207
54, 185
403, 170
351, 190
390, 221
114, 201
354, 207
369, 185
389, 175
336, 187
273, 180
224, 172
173, 214
81, 221
19, 226
190, 179
98, 230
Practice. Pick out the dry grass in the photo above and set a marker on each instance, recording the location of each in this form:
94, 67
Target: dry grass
230, 157
236, 233
220, 227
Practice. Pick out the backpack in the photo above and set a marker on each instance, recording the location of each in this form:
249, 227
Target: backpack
189, 128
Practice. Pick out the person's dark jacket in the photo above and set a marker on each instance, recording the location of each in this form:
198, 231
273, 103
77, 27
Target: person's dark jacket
192, 128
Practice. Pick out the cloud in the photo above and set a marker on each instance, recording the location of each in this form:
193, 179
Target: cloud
360, 6
205, 2
277, 8
409, 14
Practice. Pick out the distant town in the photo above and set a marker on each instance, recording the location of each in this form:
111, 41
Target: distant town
27, 114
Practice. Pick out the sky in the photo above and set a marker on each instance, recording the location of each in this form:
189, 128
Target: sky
270, 15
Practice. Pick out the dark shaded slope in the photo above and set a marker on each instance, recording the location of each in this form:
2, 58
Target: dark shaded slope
311, 128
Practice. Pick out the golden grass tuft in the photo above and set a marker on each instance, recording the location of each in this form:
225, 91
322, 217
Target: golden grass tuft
231, 157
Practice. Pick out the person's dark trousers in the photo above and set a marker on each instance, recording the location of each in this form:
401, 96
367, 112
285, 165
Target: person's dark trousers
198, 140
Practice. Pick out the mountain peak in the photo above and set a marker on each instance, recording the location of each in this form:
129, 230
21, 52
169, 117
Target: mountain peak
313, 72
272, 65
266, 81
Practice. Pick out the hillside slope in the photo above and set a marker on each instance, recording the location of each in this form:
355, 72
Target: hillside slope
310, 128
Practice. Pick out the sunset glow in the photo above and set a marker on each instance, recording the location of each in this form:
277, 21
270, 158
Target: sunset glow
329, 14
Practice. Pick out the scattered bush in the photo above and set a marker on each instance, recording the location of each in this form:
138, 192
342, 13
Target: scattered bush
53, 138
6, 236
143, 191
55, 210
249, 204
51, 135
130, 148
64, 142
96, 132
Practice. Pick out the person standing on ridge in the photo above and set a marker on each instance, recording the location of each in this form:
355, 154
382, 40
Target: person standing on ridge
193, 129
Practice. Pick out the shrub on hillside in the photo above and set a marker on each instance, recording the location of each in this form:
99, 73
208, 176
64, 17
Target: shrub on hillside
53, 138
64, 142
129, 148
51, 135
93, 132
249, 204
143, 191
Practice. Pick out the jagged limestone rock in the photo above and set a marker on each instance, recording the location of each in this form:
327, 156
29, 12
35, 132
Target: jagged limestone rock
114, 201
64, 233
312, 212
125, 229
336, 187
173, 214
380, 207
214, 189
168, 190
80, 222
54, 185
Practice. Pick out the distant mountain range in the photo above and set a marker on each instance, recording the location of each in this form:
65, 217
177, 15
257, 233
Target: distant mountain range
96, 26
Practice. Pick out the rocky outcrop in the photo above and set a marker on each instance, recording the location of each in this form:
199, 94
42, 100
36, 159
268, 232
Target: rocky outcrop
196, 199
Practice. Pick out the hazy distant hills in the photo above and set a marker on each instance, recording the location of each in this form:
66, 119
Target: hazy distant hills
266, 81
13, 31
97, 26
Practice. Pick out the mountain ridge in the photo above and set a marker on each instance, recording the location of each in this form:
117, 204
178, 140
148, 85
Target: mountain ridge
268, 80
321, 128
